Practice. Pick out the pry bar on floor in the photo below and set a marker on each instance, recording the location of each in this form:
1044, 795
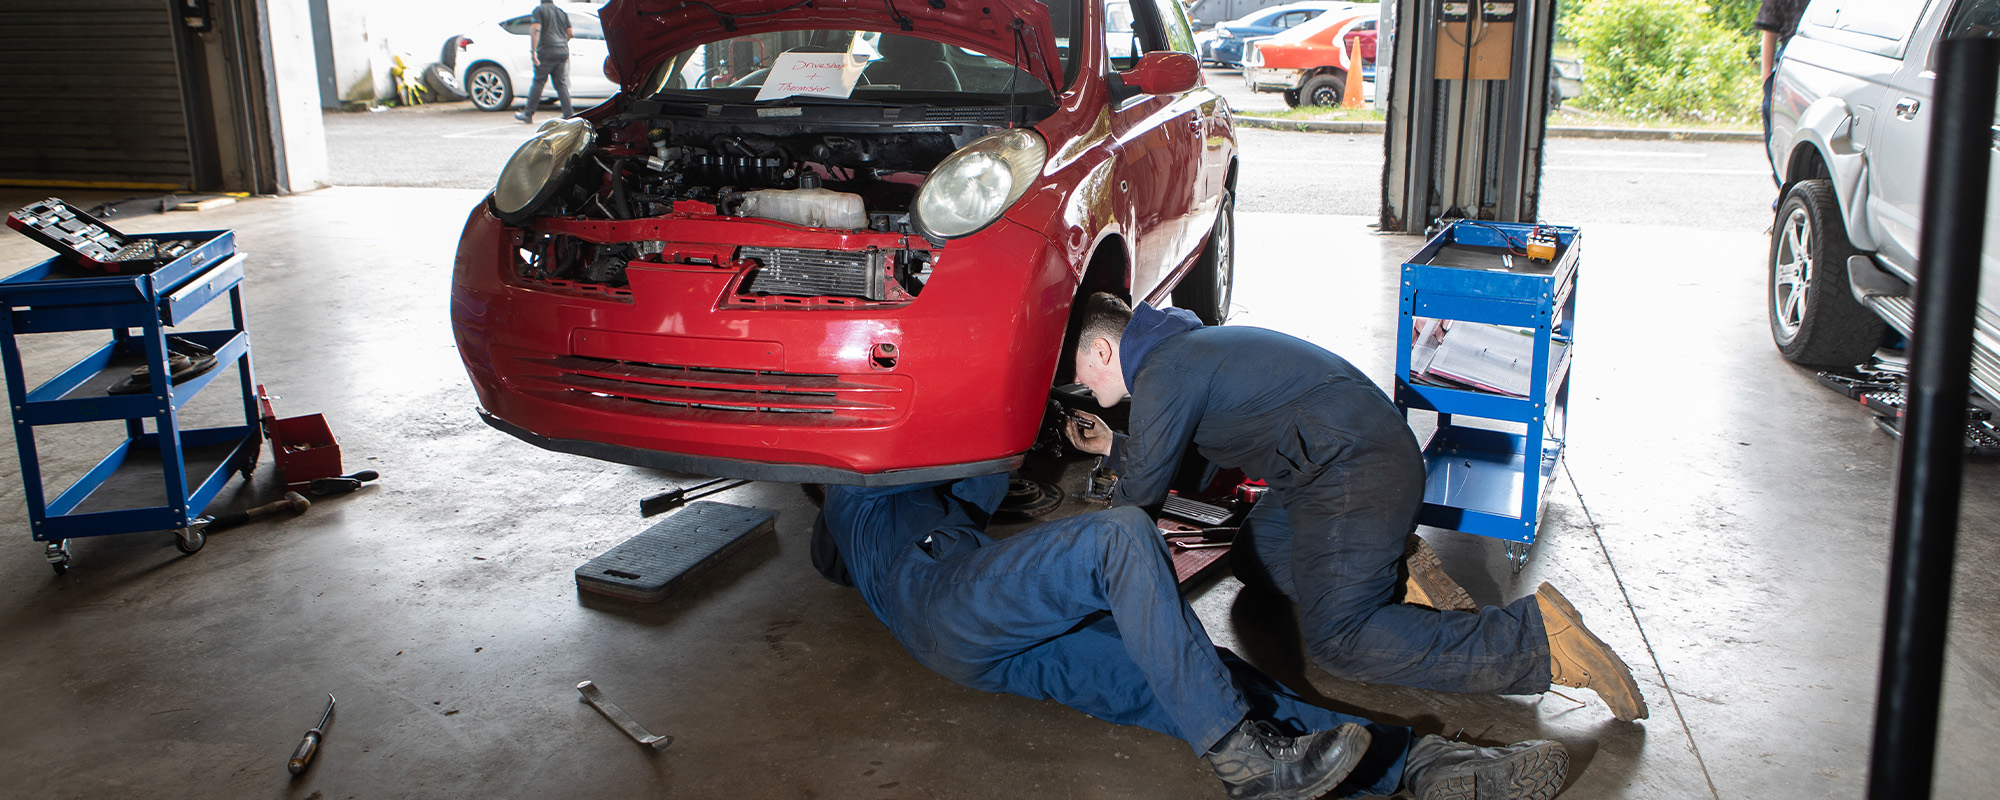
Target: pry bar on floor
618, 717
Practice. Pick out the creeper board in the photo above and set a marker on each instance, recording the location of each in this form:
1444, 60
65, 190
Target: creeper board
648, 567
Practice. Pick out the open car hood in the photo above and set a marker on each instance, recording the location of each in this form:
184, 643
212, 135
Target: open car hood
639, 33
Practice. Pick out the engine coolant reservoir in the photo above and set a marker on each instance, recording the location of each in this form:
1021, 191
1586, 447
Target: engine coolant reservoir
811, 206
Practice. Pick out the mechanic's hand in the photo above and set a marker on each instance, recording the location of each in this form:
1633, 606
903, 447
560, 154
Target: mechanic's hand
1089, 433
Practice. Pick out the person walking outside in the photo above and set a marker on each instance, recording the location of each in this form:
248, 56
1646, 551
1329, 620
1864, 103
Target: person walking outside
548, 40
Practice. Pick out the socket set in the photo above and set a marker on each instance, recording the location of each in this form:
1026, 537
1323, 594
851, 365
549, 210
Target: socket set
91, 242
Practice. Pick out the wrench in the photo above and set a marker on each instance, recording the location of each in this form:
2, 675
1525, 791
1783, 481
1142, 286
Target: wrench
618, 717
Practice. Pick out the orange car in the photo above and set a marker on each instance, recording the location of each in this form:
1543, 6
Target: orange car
1309, 62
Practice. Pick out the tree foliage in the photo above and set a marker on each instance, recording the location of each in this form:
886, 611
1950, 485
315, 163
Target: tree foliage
1735, 15
1663, 58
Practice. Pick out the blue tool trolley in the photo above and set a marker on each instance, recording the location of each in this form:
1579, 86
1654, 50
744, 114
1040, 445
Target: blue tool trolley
1493, 455
139, 309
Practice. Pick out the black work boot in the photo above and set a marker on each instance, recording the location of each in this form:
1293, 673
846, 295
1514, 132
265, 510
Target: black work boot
1440, 769
1259, 763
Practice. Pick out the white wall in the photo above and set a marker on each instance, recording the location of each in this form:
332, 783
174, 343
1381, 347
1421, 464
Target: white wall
295, 78
368, 34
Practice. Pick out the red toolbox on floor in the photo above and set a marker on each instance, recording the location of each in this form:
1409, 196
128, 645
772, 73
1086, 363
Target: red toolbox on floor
303, 446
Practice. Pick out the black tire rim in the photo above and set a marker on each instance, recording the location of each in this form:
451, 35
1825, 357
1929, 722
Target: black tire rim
488, 89
1326, 95
1791, 273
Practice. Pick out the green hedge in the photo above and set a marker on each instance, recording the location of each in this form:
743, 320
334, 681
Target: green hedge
1663, 58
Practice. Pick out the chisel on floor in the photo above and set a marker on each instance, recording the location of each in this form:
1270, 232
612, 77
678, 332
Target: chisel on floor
310, 745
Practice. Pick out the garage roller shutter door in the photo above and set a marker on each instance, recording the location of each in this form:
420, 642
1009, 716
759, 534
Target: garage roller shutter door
93, 94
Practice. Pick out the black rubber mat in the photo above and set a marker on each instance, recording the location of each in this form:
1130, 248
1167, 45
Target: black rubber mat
651, 565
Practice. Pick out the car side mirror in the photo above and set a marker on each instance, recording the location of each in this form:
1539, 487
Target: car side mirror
1163, 72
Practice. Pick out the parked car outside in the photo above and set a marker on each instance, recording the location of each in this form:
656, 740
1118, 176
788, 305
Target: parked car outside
1206, 14
1851, 112
495, 67
1227, 38
862, 272
1362, 36
1309, 63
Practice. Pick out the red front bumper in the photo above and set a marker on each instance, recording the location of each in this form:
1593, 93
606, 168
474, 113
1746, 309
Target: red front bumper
668, 372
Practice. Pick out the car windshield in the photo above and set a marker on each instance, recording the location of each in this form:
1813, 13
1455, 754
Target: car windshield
863, 65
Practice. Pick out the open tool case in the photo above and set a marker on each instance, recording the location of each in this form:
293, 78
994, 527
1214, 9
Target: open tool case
91, 243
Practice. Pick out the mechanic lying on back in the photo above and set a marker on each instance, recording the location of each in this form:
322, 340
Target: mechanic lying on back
1085, 611
1343, 465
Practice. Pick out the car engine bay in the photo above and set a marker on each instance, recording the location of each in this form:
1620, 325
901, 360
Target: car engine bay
842, 169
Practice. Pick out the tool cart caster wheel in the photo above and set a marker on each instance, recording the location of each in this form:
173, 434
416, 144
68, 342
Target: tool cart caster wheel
58, 555
189, 540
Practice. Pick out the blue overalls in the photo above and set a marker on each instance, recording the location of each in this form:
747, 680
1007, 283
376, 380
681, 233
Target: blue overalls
1084, 611
1347, 480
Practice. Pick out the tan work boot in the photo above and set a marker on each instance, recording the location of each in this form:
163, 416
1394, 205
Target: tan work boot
1578, 658
1426, 584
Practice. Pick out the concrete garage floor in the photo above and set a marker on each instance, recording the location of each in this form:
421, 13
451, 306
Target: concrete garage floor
1723, 522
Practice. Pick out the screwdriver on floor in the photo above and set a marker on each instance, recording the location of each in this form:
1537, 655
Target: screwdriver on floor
310, 745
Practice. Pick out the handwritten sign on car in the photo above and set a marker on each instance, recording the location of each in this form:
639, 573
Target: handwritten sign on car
812, 74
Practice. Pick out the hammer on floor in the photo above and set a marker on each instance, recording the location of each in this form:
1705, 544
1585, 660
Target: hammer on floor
230, 519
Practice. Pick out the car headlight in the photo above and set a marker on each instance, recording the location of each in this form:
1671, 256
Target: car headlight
539, 169
972, 187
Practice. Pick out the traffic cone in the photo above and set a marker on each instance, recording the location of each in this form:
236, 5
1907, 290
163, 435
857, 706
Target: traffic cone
1351, 96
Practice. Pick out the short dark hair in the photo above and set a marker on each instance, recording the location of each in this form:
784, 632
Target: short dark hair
1104, 317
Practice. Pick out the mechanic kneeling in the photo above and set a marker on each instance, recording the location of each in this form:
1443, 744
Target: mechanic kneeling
1344, 468
1086, 611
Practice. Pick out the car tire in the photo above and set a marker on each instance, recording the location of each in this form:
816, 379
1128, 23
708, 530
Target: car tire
1815, 320
1323, 90
1292, 98
490, 88
443, 85
1206, 289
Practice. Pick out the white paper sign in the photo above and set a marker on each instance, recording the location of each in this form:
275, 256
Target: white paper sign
812, 74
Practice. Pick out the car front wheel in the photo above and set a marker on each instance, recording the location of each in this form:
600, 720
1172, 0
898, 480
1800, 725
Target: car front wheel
1815, 319
490, 88
1205, 290
1323, 90
1292, 98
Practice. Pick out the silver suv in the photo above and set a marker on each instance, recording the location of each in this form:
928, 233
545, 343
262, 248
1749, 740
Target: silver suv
1850, 121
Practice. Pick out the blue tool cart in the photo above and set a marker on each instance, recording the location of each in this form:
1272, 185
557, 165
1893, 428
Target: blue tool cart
1484, 343
182, 469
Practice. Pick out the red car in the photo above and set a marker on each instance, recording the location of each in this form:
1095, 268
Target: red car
1309, 62
840, 243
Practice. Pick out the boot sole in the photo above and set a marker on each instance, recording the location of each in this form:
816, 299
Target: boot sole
1536, 773
1615, 666
1428, 585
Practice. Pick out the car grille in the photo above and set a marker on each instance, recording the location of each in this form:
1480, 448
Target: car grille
814, 273
798, 397
967, 114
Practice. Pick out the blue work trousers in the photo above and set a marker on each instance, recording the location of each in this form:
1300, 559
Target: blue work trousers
1085, 611
1333, 544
